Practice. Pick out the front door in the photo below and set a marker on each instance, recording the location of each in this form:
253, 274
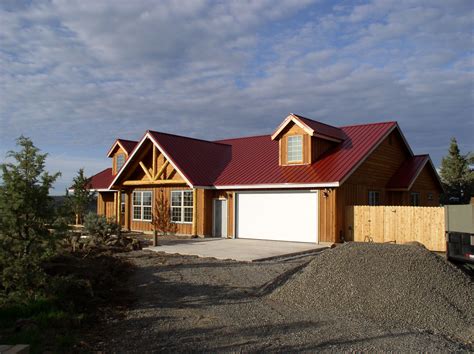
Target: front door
220, 218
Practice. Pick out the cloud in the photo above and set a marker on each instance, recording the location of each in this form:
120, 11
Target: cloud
74, 75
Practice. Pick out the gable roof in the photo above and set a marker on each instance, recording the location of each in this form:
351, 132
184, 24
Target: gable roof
126, 145
311, 127
253, 162
409, 171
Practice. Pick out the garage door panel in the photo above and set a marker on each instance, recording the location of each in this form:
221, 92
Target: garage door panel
284, 216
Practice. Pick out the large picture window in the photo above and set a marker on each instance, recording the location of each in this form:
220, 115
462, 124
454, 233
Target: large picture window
142, 205
182, 206
295, 148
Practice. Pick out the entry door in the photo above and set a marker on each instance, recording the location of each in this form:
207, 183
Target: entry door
220, 218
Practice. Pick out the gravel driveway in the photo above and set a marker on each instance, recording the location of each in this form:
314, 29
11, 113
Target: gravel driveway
186, 303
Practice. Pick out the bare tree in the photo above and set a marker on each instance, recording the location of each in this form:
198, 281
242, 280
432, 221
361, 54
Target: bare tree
161, 221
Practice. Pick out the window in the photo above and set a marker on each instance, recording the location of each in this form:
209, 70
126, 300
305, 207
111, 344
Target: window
295, 148
120, 161
142, 205
415, 199
122, 203
374, 198
182, 206
430, 197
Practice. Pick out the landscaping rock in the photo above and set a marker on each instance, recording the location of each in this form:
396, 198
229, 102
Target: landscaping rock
386, 283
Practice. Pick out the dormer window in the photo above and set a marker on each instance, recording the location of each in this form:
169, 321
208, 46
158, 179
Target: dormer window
295, 148
120, 161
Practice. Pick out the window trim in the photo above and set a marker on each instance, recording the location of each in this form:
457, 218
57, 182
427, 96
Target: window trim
413, 194
182, 206
288, 145
142, 206
371, 200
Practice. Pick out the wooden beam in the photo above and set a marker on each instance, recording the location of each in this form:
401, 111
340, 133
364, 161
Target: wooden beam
158, 182
154, 161
162, 169
142, 165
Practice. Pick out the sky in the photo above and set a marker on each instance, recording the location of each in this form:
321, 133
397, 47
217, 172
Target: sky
77, 74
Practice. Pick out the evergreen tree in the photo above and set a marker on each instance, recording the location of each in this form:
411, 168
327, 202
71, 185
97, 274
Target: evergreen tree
456, 175
81, 197
25, 211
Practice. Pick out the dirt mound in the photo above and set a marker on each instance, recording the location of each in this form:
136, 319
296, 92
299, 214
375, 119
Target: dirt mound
389, 284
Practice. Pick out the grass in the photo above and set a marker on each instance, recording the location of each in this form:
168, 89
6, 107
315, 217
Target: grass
47, 327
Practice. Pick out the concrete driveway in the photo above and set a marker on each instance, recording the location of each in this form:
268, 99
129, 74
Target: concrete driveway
236, 249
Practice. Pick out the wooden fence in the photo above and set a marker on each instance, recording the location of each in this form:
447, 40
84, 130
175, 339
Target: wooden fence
397, 224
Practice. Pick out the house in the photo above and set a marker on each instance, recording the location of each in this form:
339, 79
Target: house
292, 185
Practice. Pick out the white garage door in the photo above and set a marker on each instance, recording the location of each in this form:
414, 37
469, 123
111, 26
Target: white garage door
283, 216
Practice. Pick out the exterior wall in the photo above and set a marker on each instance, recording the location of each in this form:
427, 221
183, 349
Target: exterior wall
327, 215
374, 174
293, 129
105, 204
118, 151
425, 184
319, 147
313, 147
136, 225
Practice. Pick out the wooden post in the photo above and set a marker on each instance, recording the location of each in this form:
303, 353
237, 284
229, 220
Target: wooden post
194, 229
127, 211
115, 205
119, 206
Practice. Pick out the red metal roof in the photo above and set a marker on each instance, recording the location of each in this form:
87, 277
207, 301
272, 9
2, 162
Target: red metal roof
102, 179
255, 160
200, 161
322, 128
128, 145
406, 175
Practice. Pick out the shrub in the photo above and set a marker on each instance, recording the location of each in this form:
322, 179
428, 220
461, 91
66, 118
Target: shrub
101, 229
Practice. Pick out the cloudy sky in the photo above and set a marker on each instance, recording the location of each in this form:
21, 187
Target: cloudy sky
76, 74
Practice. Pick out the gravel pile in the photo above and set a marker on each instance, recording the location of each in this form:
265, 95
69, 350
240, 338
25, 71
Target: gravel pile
388, 284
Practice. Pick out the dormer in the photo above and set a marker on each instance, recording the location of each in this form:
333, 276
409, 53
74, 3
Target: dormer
302, 141
119, 153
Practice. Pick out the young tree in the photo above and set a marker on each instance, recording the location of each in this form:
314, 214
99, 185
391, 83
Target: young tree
161, 219
81, 197
456, 175
25, 211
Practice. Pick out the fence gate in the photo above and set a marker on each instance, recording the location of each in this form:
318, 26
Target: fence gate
397, 224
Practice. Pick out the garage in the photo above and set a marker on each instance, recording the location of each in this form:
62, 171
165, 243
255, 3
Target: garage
280, 216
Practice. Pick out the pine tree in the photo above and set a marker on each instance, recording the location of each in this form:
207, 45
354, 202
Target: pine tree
456, 175
81, 197
25, 211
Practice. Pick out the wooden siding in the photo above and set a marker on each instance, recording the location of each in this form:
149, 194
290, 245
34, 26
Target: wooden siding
397, 224
319, 147
105, 204
374, 174
327, 215
118, 151
137, 225
293, 129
